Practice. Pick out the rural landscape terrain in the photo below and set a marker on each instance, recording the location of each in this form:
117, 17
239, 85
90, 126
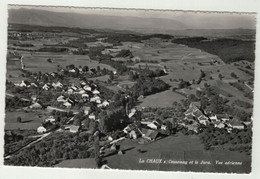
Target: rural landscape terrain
94, 97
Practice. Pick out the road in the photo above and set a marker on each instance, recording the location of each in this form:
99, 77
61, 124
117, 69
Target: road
11, 95
252, 89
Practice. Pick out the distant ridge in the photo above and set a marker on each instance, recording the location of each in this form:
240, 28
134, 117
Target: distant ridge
49, 18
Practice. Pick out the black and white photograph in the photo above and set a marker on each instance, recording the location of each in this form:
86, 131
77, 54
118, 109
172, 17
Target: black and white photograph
129, 89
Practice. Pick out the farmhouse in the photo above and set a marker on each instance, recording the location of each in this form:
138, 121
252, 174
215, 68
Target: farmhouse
45, 87
41, 130
83, 83
61, 98
132, 113
87, 88
95, 99
149, 134
92, 116
22, 84
223, 117
72, 71
86, 109
237, 124
34, 98
67, 104
50, 119
57, 85
33, 84
95, 91
219, 125
105, 103
72, 128
81, 91
70, 91
35, 106
84, 95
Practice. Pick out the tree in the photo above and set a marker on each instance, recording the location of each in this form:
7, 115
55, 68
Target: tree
111, 76
49, 60
19, 119
85, 69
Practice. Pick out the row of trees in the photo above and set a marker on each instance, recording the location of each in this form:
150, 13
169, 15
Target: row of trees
146, 86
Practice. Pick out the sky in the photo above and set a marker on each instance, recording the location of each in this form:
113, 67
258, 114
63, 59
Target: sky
225, 20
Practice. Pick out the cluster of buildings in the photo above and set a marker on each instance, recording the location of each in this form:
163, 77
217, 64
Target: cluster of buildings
149, 130
194, 117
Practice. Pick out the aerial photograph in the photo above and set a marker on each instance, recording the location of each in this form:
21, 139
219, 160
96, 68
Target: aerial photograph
95, 88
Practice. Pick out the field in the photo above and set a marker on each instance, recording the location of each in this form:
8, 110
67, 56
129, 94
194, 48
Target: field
180, 148
29, 121
162, 99
77, 163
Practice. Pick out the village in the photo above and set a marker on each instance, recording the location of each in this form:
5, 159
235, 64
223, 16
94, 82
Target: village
105, 101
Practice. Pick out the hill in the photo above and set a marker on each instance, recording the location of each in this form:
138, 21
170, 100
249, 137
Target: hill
49, 18
229, 50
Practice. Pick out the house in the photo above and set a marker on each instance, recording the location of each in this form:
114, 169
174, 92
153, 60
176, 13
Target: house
72, 71
57, 85
71, 101
35, 106
84, 95
214, 118
105, 103
92, 116
83, 83
86, 109
33, 84
72, 128
41, 130
95, 98
133, 135
158, 123
34, 98
99, 105
67, 104
223, 117
203, 120
247, 124
87, 88
152, 125
61, 98
22, 84
45, 87
132, 113
53, 74
237, 124
50, 119
95, 91
70, 91
98, 101
149, 134
219, 125
74, 88
81, 91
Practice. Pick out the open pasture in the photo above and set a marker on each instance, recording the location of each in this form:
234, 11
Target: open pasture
29, 120
178, 148
162, 99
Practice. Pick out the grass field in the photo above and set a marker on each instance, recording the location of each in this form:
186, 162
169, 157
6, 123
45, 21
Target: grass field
180, 148
77, 163
162, 99
29, 120
38, 62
